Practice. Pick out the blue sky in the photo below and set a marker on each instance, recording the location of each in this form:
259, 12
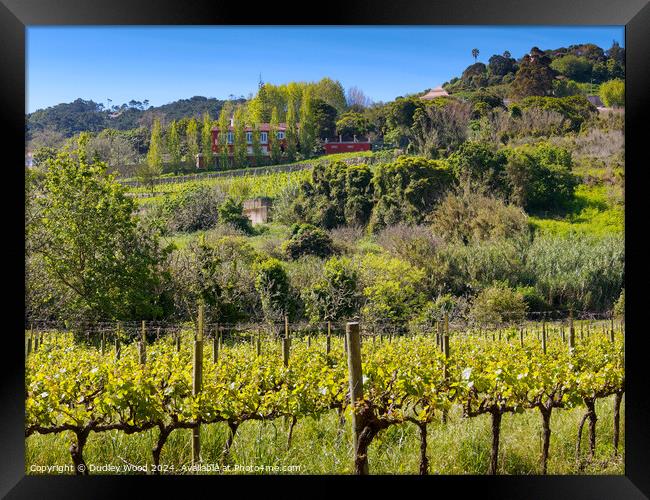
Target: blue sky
163, 64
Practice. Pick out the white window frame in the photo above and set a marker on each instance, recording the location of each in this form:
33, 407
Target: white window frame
280, 134
231, 137
264, 137
249, 137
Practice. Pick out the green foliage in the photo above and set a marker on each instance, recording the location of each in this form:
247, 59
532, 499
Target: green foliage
619, 305
291, 133
307, 132
92, 246
477, 166
573, 67
275, 152
174, 144
576, 109
224, 123
206, 140
307, 239
324, 119
240, 148
231, 212
193, 209
272, 285
499, 304
613, 93
501, 65
408, 189
192, 132
534, 76
352, 124
540, 177
335, 295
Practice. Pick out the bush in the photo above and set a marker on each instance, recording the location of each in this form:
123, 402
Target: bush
307, 239
335, 295
475, 217
231, 212
478, 166
272, 285
576, 108
499, 304
613, 93
408, 189
193, 209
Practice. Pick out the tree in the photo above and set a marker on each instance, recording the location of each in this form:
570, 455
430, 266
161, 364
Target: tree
206, 140
407, 190
356, 97
499, 304
224, 126
442, 127
174, 144
477, 166
335, 295
534, 76
331, 92
192, 141
231, 212
92, 246
475, 54
154, 156
501, 65
613, 93
573, 67
352, 124
307, 132
240, 154
276, 151
324, 119
272, 285
258, 156
291, 133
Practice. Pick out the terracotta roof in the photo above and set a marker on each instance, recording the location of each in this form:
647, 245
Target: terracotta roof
433, 93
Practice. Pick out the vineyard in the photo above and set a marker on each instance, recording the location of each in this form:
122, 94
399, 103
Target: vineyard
159, 383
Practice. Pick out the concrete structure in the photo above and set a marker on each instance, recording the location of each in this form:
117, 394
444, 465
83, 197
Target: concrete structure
257, 210
433, 93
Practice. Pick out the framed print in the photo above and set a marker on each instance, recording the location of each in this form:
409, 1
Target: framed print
264, 245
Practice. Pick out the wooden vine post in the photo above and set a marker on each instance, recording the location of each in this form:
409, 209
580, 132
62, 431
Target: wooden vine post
143, 343
572, 333
285, 342
215, 346
445, 351
197, 379
544, 336
611, 330
328, 339
356, 394
118, 348
259, 342
521, 337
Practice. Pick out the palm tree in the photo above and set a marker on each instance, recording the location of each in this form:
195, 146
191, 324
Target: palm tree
475, 54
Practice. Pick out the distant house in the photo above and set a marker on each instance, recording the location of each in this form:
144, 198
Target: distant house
433, 93
596, 101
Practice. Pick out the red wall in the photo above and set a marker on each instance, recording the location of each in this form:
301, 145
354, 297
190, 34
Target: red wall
344, 147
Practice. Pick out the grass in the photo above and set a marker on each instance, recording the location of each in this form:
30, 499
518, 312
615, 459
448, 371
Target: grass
462, 446
591, 212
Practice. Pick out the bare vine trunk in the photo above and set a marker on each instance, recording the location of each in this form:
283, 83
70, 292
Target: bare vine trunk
291, 426
617, 420
424, 461
233, 426
546, 435
361, 455
76, 452
496, 431
157, 449
591, 413
579, 439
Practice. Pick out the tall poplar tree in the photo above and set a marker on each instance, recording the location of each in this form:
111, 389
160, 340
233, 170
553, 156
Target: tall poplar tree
224, 125
306, 132
292, 132
241, 148
192, 141
257, 146
206, 140
274, 142
174, 145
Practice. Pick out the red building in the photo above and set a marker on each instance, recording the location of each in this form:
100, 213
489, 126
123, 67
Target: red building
265, 138
345, 146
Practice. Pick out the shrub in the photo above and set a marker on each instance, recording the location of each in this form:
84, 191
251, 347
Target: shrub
477, 166
307, 239
475, 217
272, 285
408, 189
576, 108
335, 295
193, 209
613, 93
498, 304
231, 212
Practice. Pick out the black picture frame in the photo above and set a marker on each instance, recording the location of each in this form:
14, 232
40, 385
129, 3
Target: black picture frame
15, 15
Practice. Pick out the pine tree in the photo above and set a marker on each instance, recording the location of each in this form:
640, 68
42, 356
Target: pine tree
274, 142
291, 134
192, 141
206, 140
